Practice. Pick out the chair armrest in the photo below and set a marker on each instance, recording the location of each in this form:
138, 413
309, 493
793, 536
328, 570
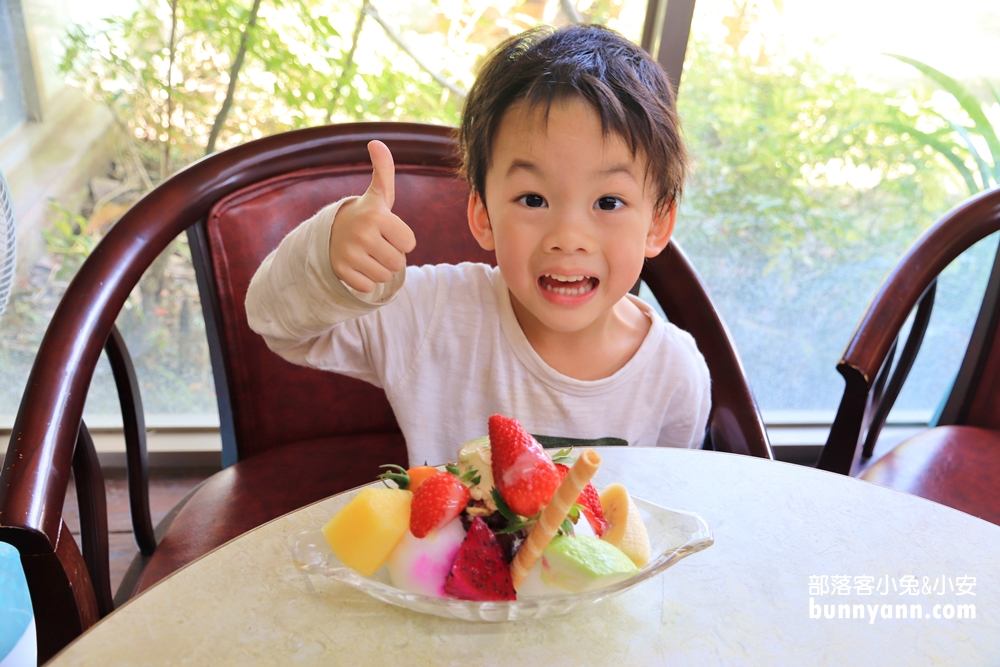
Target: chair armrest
879, 327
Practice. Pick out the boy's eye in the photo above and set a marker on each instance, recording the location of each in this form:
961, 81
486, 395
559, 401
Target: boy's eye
609, 203
533, 201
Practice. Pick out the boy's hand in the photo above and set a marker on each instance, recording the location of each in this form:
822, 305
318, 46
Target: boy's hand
368, 243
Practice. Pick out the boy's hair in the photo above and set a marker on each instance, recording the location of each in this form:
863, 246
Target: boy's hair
626, 87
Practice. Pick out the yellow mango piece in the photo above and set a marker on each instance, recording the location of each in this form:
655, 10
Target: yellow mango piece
368, 528
626, 531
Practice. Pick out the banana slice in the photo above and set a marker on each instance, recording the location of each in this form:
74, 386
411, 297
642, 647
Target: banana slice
627, 531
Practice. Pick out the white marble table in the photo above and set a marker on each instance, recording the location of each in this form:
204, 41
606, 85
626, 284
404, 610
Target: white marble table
778, 529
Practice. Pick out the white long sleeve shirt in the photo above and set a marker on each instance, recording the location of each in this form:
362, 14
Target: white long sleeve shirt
443, 343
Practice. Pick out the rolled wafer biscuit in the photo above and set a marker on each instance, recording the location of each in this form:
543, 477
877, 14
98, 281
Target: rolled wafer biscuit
553, 515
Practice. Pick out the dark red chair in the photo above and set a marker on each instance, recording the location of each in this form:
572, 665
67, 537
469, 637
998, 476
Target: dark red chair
290, 435
956, 462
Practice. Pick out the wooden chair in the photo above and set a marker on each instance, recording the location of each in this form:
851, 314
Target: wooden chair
957, 460
290, 435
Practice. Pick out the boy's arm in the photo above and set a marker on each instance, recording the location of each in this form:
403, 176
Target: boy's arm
339, 265
295, 296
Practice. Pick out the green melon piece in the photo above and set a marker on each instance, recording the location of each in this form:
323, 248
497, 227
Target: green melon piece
583, 563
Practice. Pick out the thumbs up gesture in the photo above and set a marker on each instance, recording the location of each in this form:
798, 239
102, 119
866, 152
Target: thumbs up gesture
368, 242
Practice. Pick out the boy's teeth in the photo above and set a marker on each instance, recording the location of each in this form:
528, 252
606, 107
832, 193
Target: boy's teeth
575, 285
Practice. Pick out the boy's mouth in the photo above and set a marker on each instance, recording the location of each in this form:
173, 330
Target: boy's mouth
567, 285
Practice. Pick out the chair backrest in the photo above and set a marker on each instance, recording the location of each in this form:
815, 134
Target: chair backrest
974, 398
735, 424
865, 363
276, 403
236, 205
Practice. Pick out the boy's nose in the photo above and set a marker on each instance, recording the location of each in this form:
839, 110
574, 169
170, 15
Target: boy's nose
569, 233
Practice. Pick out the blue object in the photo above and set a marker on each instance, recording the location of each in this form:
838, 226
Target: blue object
17, 622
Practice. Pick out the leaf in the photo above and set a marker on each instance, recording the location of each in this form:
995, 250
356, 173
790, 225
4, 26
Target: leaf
514, 527
984, 168
941, 147
502, 507
400, 476
968, 102
563, 456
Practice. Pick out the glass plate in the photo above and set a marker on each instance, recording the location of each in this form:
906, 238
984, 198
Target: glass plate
673, 535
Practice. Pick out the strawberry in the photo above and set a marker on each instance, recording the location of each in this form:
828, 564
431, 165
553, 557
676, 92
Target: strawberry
522, 472
590, 503
480, 571
438, 500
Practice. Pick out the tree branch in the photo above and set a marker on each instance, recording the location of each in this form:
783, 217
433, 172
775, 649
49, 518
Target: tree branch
165, 156
348, 61
570, 10
234, 74
398, 39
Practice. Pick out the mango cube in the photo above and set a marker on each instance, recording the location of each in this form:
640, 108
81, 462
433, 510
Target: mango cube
368, 528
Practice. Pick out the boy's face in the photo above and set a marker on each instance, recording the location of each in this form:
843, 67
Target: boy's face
570, 215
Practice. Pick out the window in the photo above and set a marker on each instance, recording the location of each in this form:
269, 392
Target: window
165, 76
807, 187
12, 112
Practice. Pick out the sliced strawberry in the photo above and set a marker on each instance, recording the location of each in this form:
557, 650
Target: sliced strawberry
522, 472
480, 571
438, 500
590, 502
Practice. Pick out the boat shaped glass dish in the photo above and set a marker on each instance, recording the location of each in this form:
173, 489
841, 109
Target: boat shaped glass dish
673, 535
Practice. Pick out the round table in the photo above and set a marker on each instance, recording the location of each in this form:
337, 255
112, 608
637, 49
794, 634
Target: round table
793, 545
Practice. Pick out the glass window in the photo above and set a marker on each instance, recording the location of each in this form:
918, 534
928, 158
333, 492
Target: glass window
12, 111
306, 63
814, 169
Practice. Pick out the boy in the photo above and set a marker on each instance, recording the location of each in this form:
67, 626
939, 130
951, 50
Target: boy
573, 156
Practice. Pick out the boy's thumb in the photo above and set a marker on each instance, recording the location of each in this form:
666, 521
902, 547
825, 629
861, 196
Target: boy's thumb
383, 172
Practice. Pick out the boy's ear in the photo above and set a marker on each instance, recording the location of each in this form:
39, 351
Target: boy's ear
660, 231
479, 222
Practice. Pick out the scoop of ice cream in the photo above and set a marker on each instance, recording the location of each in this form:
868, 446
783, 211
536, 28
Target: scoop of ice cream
475, 455
421, 565
579, 564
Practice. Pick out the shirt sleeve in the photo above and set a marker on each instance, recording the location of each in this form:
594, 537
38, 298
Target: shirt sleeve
691, 401
309, 317
703, 403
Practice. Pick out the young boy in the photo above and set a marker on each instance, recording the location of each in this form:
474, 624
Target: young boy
573, 155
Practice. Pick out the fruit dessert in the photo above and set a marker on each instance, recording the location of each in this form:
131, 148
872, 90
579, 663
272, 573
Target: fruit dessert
502, 522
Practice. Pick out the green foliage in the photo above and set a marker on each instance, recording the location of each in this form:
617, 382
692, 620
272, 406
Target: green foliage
970, 145
789, 169
294, 58
70, 237
798, 204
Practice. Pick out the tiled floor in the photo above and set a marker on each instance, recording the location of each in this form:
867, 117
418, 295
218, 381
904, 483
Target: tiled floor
166, 489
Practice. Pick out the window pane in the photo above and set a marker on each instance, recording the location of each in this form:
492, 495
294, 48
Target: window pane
807, 184
308, 64
11, 105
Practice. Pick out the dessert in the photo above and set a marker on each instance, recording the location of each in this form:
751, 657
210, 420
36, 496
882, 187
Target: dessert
553, 515
421, 565
480, 570
626, 529
498, 524
580, 564
365, 532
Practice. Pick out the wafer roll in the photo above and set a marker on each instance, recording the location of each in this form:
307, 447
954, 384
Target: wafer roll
553, 515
